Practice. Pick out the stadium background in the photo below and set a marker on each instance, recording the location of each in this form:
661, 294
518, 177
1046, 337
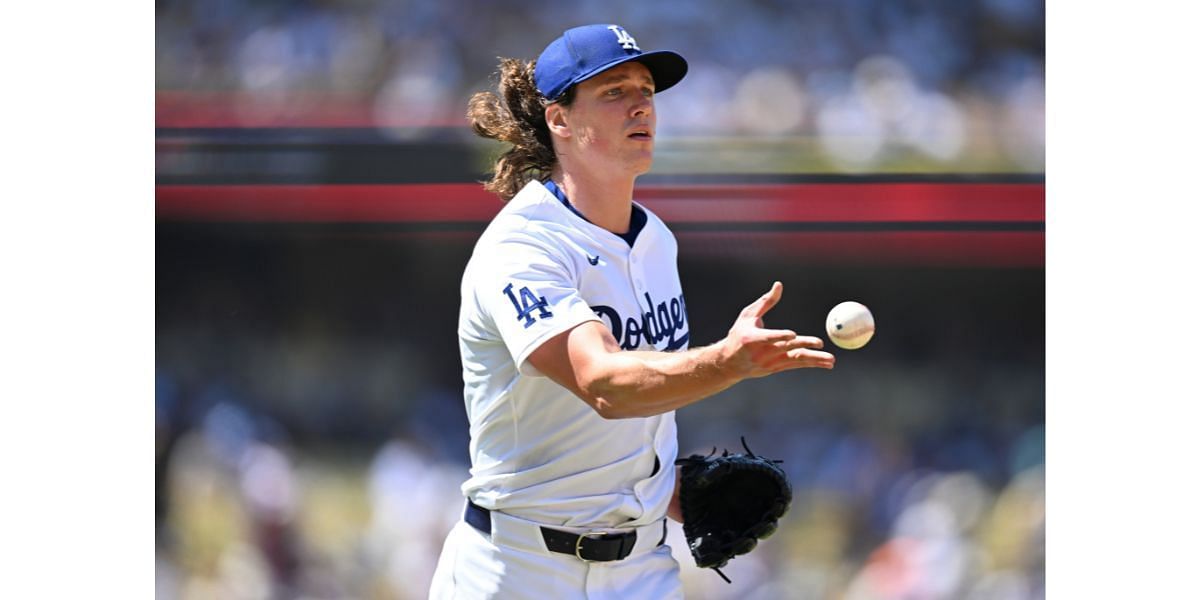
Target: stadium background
315, 208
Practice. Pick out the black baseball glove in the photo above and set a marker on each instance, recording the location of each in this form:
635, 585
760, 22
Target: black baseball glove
730, 502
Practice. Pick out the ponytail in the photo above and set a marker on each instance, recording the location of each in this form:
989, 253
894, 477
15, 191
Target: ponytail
516, 116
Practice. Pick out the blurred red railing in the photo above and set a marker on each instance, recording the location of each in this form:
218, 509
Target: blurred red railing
922, 223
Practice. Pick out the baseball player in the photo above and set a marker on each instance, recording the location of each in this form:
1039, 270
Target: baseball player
574, 336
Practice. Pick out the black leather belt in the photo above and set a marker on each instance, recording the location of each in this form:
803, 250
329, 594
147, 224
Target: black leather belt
601, 547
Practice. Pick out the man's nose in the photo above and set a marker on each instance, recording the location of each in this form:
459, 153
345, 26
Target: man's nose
643, 107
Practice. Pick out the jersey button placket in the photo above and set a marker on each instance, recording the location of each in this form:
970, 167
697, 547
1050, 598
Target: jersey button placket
635, 273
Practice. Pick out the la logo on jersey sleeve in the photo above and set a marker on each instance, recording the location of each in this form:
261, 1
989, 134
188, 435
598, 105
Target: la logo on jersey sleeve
528, 303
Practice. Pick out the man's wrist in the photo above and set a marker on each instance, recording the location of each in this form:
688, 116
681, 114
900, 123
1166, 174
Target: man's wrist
717, 357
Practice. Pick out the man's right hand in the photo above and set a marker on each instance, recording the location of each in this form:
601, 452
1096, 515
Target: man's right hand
751, 350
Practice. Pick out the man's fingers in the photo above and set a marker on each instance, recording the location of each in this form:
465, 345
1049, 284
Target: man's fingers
811, 358
770, 299
802, 358
775, 336
766, 302
801, 341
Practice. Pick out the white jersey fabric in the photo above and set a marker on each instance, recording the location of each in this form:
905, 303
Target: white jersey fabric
538, 452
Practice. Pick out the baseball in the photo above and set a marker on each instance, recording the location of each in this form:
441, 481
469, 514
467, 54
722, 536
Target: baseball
850, 325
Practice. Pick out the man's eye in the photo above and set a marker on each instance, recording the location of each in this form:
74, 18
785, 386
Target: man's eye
614, 92
647, 92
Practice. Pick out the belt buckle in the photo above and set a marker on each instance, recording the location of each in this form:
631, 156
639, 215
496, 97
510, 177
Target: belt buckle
579, 543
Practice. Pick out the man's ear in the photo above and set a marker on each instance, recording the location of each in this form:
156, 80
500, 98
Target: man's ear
556, 120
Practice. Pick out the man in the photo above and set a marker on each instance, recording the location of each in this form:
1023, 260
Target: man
573, 332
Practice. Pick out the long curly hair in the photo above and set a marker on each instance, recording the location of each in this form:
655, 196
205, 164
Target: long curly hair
517, 116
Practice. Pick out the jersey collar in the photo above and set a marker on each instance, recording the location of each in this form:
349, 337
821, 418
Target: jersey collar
637, 216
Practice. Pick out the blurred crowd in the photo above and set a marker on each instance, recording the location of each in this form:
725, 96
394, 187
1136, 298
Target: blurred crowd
253, 514
852, 86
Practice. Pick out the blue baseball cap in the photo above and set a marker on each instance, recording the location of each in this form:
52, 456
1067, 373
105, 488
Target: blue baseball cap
583, 52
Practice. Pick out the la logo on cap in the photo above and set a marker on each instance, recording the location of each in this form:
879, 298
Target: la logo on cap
623, 38
585, 51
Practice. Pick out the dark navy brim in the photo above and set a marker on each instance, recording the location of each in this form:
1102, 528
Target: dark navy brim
666, 67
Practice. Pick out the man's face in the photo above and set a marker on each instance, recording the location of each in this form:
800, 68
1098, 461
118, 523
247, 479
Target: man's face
612, 121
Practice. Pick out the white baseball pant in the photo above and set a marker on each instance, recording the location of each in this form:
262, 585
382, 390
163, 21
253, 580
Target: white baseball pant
513, 563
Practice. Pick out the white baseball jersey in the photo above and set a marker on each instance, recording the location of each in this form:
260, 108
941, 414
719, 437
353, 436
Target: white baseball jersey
538, 452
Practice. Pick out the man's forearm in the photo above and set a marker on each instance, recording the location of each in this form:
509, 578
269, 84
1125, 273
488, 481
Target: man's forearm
641, 384
674, 508
620, 384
